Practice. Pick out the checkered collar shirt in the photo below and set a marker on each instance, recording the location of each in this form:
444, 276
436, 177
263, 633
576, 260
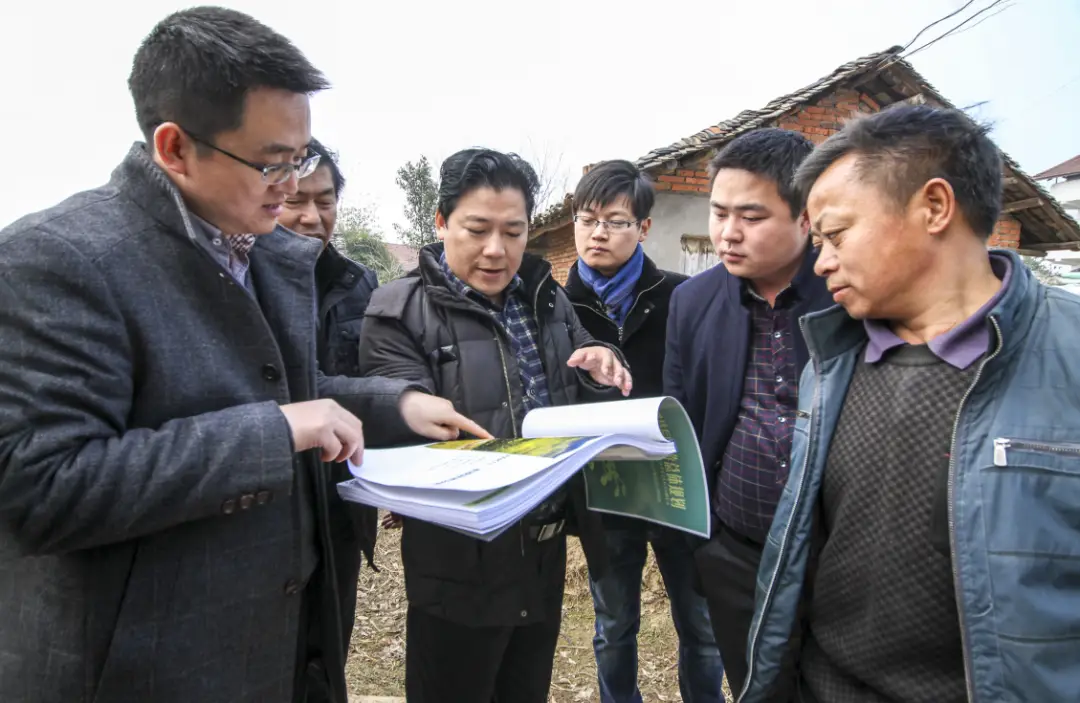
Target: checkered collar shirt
230, 250
518, 321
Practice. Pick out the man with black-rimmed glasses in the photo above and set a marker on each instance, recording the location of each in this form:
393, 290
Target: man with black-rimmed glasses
164, 531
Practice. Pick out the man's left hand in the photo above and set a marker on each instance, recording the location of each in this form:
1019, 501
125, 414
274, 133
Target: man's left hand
604, 367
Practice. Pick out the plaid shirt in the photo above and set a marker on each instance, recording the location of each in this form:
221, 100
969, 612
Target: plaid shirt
755, 464
517, 320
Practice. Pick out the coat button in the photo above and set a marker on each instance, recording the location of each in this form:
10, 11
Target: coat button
263, 497
292, 587
246, 501
270, 373
228, 507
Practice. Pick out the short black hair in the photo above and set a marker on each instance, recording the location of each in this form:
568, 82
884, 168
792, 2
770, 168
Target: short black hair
904, 146
197, 65
771, 153
611, 180
470, 169
328, 159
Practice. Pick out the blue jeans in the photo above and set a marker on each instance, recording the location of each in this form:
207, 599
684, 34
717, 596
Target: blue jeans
617, 599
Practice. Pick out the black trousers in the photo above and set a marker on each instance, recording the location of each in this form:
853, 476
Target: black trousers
728, 565
446, 661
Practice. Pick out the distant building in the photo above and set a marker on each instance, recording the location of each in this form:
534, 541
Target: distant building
1063, 182
1032, 222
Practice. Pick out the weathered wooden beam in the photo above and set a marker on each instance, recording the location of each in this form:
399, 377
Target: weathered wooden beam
1062, 225
1055, 246
1025, 204
1010, 180
1036, 253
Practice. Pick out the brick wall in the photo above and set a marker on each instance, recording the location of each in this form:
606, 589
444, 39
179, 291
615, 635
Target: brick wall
1006, 233
683, 180
818, 121
558, 248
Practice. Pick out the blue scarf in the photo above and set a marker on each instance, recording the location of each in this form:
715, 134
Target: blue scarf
616, 293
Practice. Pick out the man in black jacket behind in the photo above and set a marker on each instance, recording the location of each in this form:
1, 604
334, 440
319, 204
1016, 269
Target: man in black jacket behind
621, 297
343, 289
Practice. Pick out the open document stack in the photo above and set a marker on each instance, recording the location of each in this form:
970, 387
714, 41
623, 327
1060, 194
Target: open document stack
640, 458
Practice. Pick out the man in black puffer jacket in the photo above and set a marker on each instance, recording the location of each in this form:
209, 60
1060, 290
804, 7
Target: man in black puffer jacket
484, 325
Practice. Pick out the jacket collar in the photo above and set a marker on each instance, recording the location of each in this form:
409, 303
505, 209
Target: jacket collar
832, 332
579, 292
335, 269
143, 181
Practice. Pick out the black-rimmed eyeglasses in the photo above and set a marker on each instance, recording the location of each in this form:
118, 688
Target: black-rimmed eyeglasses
274, 174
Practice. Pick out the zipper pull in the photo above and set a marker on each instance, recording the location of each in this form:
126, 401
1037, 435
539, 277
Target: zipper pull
1000, 445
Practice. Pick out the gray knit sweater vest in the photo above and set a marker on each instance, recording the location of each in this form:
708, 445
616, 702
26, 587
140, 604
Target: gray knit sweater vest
882, 618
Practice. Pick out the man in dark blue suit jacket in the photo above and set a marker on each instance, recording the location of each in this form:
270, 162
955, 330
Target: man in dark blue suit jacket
734, 355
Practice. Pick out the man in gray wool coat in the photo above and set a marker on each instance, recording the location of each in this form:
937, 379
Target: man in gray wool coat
163, 422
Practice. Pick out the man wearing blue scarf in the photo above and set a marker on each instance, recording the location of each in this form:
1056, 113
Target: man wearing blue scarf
621, 298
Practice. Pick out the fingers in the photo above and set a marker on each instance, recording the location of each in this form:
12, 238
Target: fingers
341, 435
349, 432
435, 418
618, 379
331, 446
325, 425
577, 358
466, 425
443, 433
607, 365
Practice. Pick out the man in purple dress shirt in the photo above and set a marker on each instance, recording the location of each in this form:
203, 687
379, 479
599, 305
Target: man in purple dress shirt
925, 547
733, 359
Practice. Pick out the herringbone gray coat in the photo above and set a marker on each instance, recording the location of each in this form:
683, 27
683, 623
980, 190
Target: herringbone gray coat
150, 499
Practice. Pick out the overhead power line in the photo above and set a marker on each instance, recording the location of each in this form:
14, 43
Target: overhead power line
952, 31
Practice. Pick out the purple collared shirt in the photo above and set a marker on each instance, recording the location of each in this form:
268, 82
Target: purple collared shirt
961, 346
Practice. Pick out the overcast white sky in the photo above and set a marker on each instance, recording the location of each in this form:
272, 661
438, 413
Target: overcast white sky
576, 80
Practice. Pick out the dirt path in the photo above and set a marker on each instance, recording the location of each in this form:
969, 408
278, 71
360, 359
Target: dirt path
377, 657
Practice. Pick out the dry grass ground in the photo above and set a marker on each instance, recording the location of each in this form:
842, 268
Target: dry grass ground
377, 656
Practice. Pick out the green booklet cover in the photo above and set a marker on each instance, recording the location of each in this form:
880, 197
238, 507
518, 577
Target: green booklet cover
671, 491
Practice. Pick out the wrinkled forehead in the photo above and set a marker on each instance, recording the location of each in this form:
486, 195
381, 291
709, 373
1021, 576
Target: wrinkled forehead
837, 184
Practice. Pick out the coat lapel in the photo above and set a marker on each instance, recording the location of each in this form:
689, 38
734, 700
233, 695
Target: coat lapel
283, 274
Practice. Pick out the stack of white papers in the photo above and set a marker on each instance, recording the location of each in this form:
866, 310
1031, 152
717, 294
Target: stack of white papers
482, 487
